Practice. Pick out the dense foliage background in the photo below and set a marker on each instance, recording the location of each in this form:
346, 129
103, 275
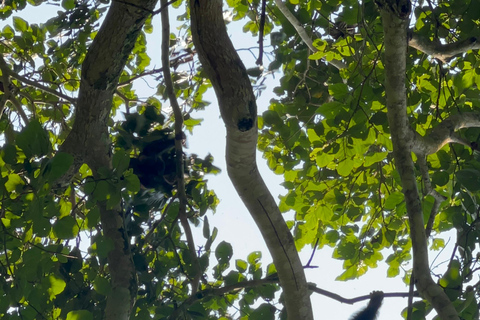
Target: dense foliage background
326, 131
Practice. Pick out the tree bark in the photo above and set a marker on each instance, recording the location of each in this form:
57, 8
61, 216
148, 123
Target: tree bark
239, 112
395, 15
89, 142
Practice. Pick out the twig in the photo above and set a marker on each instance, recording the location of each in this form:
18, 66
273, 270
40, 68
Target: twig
138, 76
6, 88
35, 84
313, 254
260, 35
237, 287
164, 5
341, 299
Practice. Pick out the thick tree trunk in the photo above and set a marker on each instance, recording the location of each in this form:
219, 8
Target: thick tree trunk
89, 141
239, 112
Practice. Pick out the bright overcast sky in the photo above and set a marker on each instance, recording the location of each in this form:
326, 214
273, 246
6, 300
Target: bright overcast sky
232, 219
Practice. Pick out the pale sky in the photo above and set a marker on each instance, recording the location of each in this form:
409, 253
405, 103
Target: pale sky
232, 219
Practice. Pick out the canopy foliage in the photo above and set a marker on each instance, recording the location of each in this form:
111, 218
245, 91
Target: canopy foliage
83, 225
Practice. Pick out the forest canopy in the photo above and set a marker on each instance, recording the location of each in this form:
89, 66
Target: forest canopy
374, 126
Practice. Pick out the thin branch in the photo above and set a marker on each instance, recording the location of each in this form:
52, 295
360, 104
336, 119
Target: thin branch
182, 197
260, 34
312, 255
34, 84
6, 88
341, 299
428, 190
237, 287
164, 5
138, 76
303, 33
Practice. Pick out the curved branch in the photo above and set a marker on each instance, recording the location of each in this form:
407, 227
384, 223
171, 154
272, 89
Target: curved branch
239, 112
177, 112
394, 17
445, 133
303, 33
442, 52
88, 141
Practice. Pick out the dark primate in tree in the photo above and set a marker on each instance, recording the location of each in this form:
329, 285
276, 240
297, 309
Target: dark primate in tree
370, 312
154, 162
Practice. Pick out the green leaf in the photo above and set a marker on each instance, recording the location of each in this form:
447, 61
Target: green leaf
68, 4
19, 24
8, 32
191, 122
33, 140
224, 252
132, 182
14, 181
57, 285
104, 246
120, 162
41, 226
338, 90
440, 178
469, 178
264, 312
233, 277
9, 154
58, 166
102, 190
80, 315
330, 109
376, 157
254, 257
93, 217
65, 228
241, 265
102, 285
206, 228
344, 168
211, 239
393, 200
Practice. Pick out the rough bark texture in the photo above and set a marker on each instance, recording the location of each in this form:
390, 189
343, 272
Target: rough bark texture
89, 141
238, 108
394, 17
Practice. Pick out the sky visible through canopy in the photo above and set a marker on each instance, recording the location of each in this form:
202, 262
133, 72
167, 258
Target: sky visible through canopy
232, 219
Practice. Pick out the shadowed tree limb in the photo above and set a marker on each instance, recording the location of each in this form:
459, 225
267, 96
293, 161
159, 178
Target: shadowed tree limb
395, 18
88, 141
442, 52
445, 133
180, 178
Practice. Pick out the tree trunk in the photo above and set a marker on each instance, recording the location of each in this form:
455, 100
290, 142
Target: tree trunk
239, 112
